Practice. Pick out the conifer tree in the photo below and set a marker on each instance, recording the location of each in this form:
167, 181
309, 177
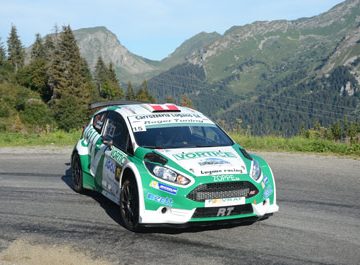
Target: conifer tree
2, 53
100, 74
143, 94
69, 82
106, 81
16, 53
130, 95
38, 49
49, 46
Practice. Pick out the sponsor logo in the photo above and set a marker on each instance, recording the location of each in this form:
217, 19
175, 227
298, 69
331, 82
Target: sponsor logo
267, 192
265, 180
224, 178
225, 211
162, 200
213, 161
252, 192
225, 202
192, 155
118, 156
159, 186
110, 166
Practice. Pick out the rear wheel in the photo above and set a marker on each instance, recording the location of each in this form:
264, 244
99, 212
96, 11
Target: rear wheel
77, 174
129, 204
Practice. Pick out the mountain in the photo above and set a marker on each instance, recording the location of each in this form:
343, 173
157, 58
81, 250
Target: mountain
99, 41
275, 76
268, 76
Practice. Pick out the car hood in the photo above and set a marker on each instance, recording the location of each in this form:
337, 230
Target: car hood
207, 161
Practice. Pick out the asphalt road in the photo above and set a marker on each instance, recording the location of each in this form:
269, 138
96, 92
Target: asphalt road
318, 222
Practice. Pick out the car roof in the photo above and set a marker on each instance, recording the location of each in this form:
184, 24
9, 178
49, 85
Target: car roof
148, 108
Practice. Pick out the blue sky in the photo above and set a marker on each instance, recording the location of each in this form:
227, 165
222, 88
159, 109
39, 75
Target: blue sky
149, 28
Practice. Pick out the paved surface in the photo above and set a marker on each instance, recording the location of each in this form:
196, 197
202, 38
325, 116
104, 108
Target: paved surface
318, 222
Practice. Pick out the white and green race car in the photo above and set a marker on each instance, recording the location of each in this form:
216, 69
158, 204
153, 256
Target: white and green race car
169, 165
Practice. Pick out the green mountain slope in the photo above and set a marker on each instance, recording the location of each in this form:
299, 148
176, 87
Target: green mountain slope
278, 76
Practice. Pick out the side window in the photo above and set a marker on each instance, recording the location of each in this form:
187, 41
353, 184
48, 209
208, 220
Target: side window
117, 131
98, 121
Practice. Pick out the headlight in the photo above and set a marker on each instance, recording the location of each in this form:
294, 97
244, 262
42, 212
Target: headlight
255, 170
166, 174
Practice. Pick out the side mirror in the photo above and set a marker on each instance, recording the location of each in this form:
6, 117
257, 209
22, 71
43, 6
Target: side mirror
108, 141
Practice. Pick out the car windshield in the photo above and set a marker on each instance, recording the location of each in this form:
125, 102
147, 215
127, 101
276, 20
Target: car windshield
184, 136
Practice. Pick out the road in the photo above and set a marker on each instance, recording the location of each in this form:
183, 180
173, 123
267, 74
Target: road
318, 221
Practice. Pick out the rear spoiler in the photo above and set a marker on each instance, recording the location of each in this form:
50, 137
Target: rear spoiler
113, 103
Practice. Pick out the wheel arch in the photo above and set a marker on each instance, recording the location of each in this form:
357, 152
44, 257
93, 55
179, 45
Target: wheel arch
131, 170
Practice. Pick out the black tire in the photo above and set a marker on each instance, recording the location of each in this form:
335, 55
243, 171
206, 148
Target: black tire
129, 204
77, 173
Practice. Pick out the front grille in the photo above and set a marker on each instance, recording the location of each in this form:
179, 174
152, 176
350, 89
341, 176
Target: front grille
223, 190
223, 211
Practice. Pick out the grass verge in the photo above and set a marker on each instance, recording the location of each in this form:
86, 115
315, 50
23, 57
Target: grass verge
296, 144
58, 138
256, 143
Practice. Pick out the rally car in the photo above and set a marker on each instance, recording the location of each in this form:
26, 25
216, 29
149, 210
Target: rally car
169, 165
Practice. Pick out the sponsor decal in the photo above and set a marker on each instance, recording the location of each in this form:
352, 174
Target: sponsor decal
138, 126
222, 171
224, 178
159, 186
267, 192
224, 202
118, 156
167, 118
265, 180
252, 192
110, 166
118, 173
225, 211
192, 155
162, 200
213, 161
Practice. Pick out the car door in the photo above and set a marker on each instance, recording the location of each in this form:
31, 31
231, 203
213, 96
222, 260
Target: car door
95, 141
116, 155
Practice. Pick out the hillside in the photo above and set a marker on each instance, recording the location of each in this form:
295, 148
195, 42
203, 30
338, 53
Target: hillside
276, 76
99, 41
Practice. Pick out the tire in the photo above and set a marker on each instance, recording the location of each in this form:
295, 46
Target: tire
129, 204
77, 173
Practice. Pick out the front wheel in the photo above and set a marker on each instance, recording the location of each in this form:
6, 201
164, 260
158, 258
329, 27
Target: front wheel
129, 204
77, 174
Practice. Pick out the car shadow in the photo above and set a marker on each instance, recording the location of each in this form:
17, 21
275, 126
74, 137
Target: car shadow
113, 211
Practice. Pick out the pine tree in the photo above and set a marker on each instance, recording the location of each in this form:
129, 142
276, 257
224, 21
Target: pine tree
49, 46
143, 94
106, 81
2, 53
16, 53
69, 82
100, 74
130, 95
38, 49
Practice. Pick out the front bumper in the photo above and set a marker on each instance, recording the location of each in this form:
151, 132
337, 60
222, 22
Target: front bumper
168, 215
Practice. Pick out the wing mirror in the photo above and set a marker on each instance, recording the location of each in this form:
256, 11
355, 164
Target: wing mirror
108, 141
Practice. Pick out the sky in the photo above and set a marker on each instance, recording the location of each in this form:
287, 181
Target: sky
149, 28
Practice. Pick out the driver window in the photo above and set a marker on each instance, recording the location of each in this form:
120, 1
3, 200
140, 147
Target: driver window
116, 131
